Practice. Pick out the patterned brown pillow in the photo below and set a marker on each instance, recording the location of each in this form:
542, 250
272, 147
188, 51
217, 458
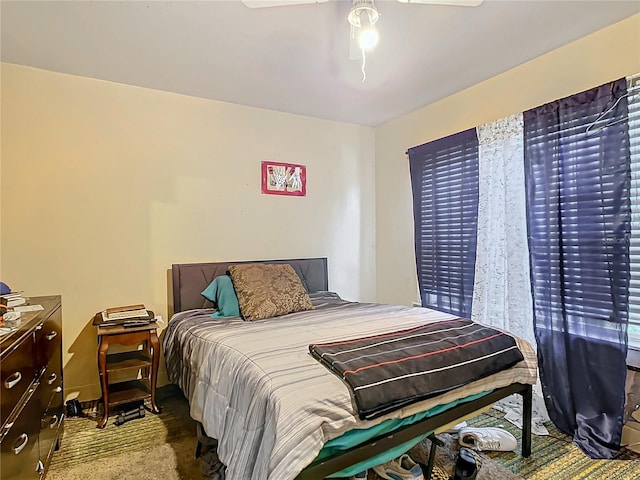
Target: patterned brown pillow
267, 290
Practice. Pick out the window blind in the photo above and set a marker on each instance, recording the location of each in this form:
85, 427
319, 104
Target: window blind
579, 215
634, 248
444, 178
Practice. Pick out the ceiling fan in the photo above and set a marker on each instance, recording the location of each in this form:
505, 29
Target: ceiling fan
362, 17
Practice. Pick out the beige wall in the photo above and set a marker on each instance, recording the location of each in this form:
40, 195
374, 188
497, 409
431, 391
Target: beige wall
606, 55
104, 186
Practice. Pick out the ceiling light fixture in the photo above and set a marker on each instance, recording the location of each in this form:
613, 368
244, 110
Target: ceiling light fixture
368, 36
363, 17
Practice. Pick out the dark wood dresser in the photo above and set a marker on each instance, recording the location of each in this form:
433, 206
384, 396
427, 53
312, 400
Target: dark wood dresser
31, 392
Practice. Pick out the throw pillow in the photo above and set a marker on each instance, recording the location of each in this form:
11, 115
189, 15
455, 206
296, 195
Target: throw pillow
221, 293
267, 290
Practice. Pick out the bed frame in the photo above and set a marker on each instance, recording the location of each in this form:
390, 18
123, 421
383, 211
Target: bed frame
189, 279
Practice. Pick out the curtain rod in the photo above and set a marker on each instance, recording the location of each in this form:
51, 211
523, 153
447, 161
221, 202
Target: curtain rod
634, 80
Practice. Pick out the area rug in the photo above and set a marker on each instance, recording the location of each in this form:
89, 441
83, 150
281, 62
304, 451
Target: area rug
169, 461
163, 446
556, 457
447, 455
175, 461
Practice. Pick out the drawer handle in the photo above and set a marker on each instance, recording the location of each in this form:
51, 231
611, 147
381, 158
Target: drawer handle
53, 422
52, 335
20, 443
12, 380
52, 378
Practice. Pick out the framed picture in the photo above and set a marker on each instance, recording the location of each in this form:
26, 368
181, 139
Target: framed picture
284, 179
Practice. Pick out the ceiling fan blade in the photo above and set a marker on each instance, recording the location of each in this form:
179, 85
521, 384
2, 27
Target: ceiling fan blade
461, 3
278, 3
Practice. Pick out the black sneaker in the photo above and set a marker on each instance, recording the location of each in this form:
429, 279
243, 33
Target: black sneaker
466, 467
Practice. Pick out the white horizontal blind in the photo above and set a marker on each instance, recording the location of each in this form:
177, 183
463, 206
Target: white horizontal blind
444, 176
634, 248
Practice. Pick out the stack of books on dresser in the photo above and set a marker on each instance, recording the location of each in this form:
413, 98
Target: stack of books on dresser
128, 316
14, 299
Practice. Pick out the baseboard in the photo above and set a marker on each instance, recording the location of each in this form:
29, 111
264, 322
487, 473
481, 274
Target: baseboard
83, 393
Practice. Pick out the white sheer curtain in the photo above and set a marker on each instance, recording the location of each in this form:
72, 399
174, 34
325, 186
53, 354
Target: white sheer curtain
502, 286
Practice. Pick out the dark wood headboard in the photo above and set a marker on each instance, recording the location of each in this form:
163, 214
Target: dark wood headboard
190, 279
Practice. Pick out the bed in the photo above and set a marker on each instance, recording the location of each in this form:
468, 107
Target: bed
276, 412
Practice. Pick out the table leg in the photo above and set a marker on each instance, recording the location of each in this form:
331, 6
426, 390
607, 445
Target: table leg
155, 362
104, 380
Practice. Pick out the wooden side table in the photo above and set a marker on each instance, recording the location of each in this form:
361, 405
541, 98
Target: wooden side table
145, 360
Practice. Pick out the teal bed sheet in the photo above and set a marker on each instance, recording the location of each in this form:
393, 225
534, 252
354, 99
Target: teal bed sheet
358, 436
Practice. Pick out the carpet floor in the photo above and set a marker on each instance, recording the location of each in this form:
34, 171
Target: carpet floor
556, 457
163, 446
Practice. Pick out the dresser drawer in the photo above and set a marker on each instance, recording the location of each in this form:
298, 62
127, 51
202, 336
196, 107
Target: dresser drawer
50, 426
51, 379
48, 338
16, 374
19, 447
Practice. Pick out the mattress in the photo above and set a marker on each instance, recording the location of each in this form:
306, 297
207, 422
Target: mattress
255, 387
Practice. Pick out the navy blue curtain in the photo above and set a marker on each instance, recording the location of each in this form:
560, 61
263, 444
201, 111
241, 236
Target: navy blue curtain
444, 179
579, 226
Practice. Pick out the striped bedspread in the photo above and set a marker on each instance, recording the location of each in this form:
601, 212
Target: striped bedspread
272, 406
388, 371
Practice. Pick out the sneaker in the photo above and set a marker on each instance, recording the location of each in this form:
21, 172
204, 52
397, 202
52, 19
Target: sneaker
466, 466
489, 438
402, 468
456, 428
359, 476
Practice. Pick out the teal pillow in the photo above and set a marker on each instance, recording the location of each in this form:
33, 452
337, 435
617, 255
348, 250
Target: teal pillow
223, 295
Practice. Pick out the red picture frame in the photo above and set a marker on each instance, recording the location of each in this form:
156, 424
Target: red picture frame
279, 178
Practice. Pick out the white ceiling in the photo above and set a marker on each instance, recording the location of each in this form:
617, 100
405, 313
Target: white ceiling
296, 58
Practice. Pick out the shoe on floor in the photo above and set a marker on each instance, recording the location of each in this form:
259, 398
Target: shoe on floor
359, 476
456, 428
466, 467
402, 468
489, 438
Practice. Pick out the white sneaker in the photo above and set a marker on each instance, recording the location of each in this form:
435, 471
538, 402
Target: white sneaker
456, 428
402, 468
488, 438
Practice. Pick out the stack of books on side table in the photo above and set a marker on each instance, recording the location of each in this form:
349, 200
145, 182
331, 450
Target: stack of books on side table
128, 316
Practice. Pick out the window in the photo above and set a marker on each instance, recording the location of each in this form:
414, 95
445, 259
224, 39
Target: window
444, 175
578, 202
634, 248
579, 221
444, 178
